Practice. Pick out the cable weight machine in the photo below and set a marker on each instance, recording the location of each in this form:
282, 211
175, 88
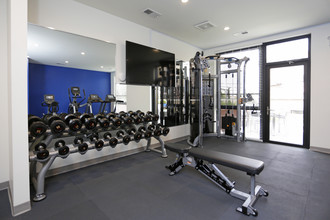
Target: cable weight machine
217, 98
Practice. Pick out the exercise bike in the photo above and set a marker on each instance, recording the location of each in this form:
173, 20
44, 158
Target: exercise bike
74, 105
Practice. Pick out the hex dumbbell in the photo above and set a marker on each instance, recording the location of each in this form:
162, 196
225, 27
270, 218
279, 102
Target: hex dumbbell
112, 140
72, 121
165, 130
63, 150
115, 121
57, 126
82, 147
146, 133
137, 119
89, 122
137, 135
98, 144
41, 151
154, 117
36, 126
103, 121
156, 131
125, 118
125, 138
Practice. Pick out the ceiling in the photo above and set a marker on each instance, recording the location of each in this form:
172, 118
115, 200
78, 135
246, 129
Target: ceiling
256, 17
57, 48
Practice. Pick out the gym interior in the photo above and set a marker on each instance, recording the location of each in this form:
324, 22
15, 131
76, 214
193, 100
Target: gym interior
118, 110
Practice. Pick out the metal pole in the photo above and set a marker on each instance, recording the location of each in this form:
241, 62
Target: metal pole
238, 121
218, 118
201, 107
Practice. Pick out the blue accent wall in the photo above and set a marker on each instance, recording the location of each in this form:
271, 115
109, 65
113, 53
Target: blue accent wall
45, 79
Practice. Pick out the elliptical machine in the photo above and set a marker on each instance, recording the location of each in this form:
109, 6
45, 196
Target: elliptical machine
74, 105
51, 104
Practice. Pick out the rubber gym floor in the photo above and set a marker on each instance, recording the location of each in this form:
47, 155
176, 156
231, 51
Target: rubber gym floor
139, 187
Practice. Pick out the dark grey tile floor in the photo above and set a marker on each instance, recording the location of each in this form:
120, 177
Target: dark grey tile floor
138, 187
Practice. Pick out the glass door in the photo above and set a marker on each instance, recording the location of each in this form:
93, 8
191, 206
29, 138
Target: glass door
286, 104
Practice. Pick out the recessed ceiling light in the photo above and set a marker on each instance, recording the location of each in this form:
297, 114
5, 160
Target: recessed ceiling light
51, 28
226, 28
66, 62
101, 67
36, 45
82, 53
184, 1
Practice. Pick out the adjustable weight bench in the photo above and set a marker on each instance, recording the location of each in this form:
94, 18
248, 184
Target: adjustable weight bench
203, 160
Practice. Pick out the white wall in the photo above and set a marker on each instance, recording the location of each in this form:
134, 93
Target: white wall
74, 17
320, 77
4, 135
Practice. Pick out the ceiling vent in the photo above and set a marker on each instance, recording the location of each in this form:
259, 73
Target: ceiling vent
151, 13
204, 25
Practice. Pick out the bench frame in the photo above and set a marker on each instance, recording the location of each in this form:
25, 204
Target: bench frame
213, 173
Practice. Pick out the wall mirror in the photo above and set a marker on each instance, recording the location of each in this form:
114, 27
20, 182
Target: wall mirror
59, 60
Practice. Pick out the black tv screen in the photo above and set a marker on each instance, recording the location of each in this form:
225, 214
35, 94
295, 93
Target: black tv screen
147, 65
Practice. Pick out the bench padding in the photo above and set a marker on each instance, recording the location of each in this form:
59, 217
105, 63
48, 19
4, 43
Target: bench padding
177, 147
251, 166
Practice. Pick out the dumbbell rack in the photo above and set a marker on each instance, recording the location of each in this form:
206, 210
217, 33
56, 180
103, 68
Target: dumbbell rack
38, 178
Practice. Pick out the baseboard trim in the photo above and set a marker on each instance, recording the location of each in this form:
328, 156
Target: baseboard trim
320, 149
76, 166
18, 209
4, 185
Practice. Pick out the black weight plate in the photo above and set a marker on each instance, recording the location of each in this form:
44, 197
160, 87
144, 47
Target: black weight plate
90, 123
157, 132
63, 151
104, 123
38, 128
33, 119
166, 130
113, 142
99, 145
126, 139
43, 154
137, 136
75, 124
82, 148
69, 117
57, 127
53, 118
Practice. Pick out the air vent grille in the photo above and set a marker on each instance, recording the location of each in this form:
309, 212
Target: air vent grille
152, 13
204, 25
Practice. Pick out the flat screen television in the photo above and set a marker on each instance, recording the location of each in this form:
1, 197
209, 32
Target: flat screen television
147, 65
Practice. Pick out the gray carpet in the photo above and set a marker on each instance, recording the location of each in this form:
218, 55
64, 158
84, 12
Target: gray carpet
139, 187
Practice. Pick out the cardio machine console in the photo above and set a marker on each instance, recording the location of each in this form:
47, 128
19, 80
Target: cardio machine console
75, 91
94, 98
110, 98
49, 99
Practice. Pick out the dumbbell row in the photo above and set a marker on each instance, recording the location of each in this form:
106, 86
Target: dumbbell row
42, 153
58, 123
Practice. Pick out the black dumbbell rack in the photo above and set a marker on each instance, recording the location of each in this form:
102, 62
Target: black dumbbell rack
86, 139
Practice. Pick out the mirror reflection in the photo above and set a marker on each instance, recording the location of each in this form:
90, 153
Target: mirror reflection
59, 61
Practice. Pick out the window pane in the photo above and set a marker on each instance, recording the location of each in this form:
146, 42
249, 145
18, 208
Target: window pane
252, 119
291, 50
